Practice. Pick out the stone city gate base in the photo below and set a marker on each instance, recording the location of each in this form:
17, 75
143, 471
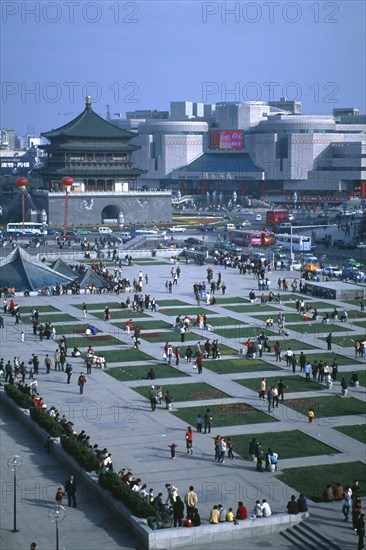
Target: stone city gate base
161, 539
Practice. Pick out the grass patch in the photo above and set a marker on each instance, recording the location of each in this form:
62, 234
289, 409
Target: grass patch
121, 314
52, 318
356, 432
347, 341
327, 406
290, 317
238, 333
192, 311
231, 414
99, 305
149, 262
312, 480
293, 383
125, 354
318, 305
328, 357
222, 321
41, 309
293, 444
356, 314
99, 340
250, 308
187, 392
318, 329
145, 325
139, 372
227, 300
295, 345
171, 303
171, 336
361, 324
229, 366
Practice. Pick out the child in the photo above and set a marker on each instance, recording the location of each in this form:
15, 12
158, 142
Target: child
22, 337
311, 415
59, 496
172, 447
230, 453
199, 423
151, 496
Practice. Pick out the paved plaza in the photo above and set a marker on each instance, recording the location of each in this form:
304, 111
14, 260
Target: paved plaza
115, 409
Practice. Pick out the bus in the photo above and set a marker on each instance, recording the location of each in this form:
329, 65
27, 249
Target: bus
300, 243
275, 217
146, 232
30, 228
249, 237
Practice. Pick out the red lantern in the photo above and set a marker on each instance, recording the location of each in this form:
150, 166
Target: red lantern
21, 183
67, 182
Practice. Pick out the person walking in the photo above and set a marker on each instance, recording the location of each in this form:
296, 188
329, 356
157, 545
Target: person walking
81, 382
85, 311
153, 398
329, 340
191, 501
68, 371
57, 360
48, 363
222, 450
189, 440
70, 490
361, 532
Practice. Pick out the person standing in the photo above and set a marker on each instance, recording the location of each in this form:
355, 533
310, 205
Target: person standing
70, 490
199, 362
361, 532
48, 363
81, 382
107, 314
136, 336
85, 311
329, 340
178, 511
189, 440
57, 360
208, 421
311, 415
153, 398
191, 501
222, 449
229, 445
346, 503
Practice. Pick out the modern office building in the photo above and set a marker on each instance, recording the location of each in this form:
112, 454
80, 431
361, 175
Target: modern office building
317, 157
292, 107
164, 145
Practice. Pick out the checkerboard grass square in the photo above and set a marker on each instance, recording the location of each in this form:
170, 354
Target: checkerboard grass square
327, 406
186, 392
144, 325
294, 383
42, 309
314, 304
171, 303
229, 366
356, 431
120, 314
124, 354
231, 414
251, 308
310, 480
328, 357
170, 336
291, 444
191, 311
318, 329
139, 372
50, 318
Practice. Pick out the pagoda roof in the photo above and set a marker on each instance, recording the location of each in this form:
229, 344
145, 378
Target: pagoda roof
110, 171
95, 146
89, 125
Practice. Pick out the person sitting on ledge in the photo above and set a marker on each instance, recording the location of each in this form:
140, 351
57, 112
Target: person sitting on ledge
151, 375
76, 352
241, 512
338, 492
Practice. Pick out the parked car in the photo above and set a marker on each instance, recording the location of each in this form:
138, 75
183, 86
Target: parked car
51, 231
246, 223
352, 273
332, 271
82, 231
207, 227
310, 258
177, 229
297, 266
351, 262
193, 240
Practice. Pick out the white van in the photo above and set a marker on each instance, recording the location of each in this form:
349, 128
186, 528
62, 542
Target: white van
230, 227
105, 231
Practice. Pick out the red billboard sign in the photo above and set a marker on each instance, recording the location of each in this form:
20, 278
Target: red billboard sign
227, 139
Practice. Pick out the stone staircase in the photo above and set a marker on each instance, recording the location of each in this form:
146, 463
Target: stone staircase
304, 537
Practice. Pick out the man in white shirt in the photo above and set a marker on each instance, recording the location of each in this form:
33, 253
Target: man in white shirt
266, 509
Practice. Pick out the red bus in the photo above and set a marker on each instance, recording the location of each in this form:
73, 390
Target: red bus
248, 237
275, 217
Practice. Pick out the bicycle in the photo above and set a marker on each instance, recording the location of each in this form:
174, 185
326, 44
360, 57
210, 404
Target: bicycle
164, 519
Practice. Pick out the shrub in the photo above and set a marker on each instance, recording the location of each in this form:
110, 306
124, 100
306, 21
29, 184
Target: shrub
120, 491
20, 398
82, 454
46, 422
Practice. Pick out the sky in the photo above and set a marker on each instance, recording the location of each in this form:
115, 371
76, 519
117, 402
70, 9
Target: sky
143, 54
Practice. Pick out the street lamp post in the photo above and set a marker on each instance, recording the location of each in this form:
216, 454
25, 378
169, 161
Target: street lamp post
56, 514
67, 183
14, 463
22, 183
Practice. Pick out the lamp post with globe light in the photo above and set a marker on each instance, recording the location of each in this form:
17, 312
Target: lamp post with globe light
22, 183
67, 182
56, 514
14, 463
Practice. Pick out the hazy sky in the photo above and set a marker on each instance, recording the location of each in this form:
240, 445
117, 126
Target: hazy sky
141, 55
